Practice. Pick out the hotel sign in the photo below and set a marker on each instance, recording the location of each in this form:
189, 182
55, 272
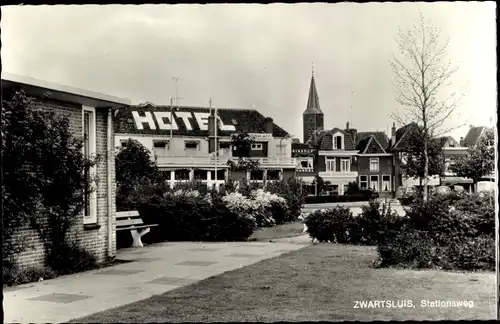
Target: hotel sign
191, 120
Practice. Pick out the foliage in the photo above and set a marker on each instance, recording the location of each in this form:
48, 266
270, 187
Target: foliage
242, 145
409, 248
376, 221
458, 233
352, 188
480, 160
188, 216
133, 164
362, 195
291, 190
319, 184
42, 150
70, 258
330, 225
422, 73
15, 275
414, 166
243, 164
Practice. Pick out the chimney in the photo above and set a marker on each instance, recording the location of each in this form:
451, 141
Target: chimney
347, 126
211, 133
393, 134
461, 142
269, 125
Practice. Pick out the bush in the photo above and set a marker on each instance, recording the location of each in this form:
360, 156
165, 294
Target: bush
330, 225
473, 253
17, 276
291, 190
363, 195
188, 216
375, 222
409, 248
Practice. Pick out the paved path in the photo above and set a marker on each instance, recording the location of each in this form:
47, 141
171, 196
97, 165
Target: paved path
155, 269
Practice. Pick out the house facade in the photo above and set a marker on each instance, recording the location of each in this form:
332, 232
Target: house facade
90, 115
183, 142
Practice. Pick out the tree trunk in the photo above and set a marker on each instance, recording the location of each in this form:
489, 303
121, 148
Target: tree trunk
426, 168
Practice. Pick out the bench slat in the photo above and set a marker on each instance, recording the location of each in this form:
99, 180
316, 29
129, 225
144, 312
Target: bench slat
130, 213
135, 227
126, 222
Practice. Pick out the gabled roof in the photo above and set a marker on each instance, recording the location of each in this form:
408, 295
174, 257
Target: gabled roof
473, 136
243, 120
370, 145
312, 107
402, 136
381, 137
323, 139
448, 141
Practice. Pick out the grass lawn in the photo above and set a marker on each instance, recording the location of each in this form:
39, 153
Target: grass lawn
278, 231
320, 282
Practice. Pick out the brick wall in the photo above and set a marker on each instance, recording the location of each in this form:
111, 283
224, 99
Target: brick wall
385, 168
94, 240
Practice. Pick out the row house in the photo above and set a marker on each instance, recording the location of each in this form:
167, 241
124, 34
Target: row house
341, 156
183, 142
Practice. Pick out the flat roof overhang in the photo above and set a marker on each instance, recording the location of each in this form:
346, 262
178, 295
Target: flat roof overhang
39, 88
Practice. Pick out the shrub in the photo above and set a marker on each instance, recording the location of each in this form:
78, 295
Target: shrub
188, 216
20, 275
472, 253
409, 248
363, 195
291, 190
375, 222
45, 176
330, 225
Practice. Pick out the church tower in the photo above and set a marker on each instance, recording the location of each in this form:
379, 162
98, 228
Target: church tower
312, 117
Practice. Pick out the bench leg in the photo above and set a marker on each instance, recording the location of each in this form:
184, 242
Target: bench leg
136, 236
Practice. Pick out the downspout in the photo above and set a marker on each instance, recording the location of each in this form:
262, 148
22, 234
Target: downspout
110, 158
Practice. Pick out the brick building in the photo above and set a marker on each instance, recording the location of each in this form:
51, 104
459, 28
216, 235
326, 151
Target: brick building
89, 113
183, 142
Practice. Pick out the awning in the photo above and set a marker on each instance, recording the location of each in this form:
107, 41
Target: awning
455, 180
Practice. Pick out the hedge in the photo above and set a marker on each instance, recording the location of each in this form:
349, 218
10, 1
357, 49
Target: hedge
362, 196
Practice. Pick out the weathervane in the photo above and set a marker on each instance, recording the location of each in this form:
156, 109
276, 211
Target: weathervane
312, 67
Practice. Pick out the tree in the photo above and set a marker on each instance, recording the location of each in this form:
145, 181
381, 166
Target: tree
133, 165
422, 81
480, 160
415, 163
242, 145
45, 180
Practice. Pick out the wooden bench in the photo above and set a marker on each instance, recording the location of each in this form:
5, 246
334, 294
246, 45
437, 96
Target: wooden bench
132, 221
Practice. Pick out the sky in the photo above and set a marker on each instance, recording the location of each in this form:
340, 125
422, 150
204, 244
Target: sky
253, 56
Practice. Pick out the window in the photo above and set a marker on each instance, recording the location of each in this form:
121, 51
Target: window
386, 183
221, 175
256, 147
200, 175
374, 165
273, 174
182, 175
337, 142
306, 163
363, 182
89, 149
191, 145
257, 175
345, 165
330, 165
123, 143
374, 183
160, 148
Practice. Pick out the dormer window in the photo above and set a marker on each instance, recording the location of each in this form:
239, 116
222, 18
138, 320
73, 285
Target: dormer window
191, 145
337, 142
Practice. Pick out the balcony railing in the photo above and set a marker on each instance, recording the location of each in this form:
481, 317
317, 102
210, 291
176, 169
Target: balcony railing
301, 169
207, 161
351, 174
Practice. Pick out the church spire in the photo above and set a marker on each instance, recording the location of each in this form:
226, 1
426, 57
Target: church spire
312, 107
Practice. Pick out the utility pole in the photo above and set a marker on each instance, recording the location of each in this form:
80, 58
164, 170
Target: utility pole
171, 121
176, 80
216, 122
